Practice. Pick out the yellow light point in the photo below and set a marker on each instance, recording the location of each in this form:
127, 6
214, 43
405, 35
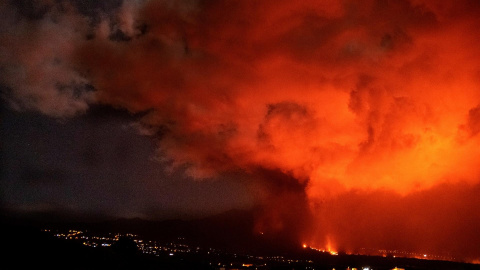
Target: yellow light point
304, 245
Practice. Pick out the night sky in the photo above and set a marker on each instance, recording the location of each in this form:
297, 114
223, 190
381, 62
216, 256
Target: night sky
349, 124
97, 163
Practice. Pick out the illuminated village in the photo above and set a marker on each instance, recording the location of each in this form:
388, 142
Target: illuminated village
222, 260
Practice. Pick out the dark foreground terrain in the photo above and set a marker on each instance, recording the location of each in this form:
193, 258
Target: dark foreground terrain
26, 246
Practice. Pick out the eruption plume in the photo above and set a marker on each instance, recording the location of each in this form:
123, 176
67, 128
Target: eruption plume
363, 118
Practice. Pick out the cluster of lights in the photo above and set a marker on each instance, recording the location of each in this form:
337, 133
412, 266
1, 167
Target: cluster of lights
154, 248
146, 247
170, 249
150, 247
71, 234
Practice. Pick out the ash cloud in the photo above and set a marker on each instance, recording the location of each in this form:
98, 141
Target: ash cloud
347, 98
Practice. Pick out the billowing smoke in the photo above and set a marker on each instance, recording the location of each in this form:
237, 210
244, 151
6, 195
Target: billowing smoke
372, 107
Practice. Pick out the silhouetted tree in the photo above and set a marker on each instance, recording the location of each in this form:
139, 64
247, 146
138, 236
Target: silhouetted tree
125, 246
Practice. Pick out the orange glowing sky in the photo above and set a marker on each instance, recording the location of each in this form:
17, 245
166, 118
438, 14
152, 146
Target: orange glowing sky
372, 107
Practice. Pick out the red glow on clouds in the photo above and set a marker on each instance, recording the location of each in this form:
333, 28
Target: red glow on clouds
372, 108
